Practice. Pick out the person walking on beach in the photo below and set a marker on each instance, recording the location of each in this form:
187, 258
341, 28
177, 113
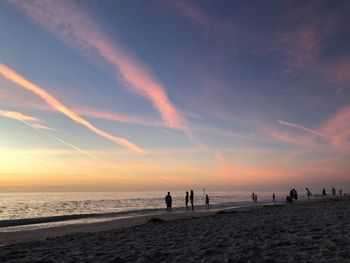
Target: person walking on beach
206, 201
187, 199
309, 194
192, 199
341, 192
168, 201
333, 191
273, 197
324, 194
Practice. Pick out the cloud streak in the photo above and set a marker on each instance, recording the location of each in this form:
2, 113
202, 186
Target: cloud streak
303, 128
30, 121
56, 104
77, 29
17, 116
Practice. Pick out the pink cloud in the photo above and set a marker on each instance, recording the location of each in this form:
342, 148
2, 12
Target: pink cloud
112, 116
17, 116
56, 104
70, 24
303, 44
33, 123
338, 128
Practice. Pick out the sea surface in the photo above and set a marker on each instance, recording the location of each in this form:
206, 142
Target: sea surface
15, 206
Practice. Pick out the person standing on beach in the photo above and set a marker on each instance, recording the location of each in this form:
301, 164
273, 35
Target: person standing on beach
324, 194
187, 199
309, 194
333, 191
253, 196
168, 201
341, 192
192, 199
295, 194
273, 197
206, 201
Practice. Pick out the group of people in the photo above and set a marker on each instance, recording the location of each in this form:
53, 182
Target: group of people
293, 195
324, 194
189, 197
254, 197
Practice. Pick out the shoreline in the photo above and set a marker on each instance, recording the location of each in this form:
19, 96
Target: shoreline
33, 232
96, 217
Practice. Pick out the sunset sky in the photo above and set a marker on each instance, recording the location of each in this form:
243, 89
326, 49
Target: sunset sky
157, 95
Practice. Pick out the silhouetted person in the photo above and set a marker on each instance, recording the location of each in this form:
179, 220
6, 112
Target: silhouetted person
187, 199
341, 192
324, 194
295, 196
273, 197
192, 199
168, 201
309, 194
333, 191
253, 196
206, 201
289, 199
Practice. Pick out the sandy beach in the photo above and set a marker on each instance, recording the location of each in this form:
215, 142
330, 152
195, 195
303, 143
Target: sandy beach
315, 231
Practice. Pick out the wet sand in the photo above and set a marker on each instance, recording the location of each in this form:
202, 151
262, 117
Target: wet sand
317, 231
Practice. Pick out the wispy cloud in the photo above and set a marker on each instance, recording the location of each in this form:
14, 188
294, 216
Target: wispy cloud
70, 24
338, 128
17, 116
117, 117
31, 122
312, 27
303, 128
56, 104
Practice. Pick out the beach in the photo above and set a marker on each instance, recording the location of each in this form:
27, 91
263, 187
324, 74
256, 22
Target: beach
309, 231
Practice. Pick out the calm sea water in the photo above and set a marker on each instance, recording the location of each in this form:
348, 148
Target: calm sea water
34, 205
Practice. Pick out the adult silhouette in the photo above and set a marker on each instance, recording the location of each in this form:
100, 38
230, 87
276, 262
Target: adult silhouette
309, 194
192, 199
324, 194
168, 201
206, 201
187, 199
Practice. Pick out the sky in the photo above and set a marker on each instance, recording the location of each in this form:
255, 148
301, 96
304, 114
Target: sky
158, 95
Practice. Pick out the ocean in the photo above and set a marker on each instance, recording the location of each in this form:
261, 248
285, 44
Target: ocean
18, 209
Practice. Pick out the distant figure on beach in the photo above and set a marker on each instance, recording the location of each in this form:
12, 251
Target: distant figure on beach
187, 199
206, 201
295, 194
253, 196
309, 194
341, 192
273, 197
168, 201
333, 191
192, 199
324, 194
289, 199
